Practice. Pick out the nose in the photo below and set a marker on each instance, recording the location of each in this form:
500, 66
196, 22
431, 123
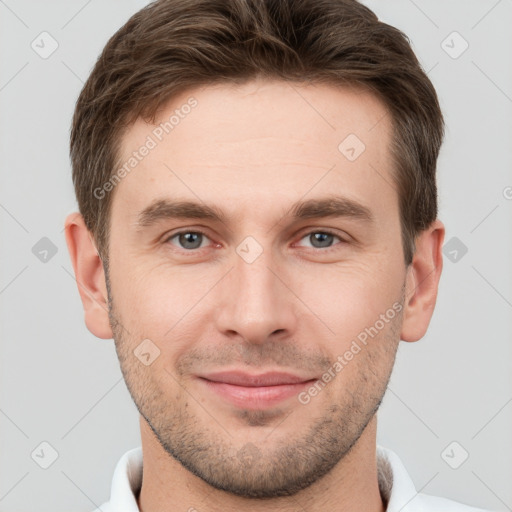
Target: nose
256, 302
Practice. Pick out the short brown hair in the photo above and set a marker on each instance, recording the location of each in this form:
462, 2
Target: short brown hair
173, 45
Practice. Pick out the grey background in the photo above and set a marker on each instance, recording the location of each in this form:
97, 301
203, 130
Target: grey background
61, 385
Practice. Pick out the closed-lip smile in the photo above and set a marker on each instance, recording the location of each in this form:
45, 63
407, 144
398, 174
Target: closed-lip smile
255, 391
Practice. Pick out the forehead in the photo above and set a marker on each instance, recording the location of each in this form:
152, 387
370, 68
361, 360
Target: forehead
258, 142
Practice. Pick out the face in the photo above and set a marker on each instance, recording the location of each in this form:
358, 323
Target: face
262, 264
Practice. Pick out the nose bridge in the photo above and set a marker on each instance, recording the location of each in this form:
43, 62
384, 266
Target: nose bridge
255, 302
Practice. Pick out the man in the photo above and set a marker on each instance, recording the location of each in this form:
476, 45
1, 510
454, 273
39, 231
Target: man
258, 231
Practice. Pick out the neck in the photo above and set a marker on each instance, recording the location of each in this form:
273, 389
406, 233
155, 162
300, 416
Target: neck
351, 485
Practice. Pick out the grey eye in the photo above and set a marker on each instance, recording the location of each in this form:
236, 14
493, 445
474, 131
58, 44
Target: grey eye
188, 239
320, 239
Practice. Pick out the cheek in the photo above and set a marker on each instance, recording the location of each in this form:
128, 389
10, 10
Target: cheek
160, 301
351, 298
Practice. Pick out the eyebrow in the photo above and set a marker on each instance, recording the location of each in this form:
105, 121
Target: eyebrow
332, 206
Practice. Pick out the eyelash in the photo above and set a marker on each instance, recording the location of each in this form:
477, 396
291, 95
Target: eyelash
316, 249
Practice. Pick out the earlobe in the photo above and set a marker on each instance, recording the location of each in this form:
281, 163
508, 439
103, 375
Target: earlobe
422, 282
89, 275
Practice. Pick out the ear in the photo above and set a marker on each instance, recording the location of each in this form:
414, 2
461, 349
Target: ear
422, 282
89, 275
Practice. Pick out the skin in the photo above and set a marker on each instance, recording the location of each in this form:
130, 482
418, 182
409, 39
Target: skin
252, 151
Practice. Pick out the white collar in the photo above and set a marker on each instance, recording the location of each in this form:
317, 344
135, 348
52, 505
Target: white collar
395, 484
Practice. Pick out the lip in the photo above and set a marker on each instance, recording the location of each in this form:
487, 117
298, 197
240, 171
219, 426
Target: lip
255, 391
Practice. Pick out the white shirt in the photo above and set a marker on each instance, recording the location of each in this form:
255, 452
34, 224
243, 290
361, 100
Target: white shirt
396, 487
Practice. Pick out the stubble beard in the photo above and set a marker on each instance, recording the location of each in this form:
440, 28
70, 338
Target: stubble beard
264, 469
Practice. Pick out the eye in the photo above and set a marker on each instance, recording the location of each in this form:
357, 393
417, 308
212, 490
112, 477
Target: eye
193, 240
188, 240
321, 239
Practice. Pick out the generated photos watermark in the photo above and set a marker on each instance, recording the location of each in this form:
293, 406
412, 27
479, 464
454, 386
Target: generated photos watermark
152, 140
355, 348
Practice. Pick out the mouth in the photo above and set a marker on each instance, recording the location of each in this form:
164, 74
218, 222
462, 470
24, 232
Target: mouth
255, 391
